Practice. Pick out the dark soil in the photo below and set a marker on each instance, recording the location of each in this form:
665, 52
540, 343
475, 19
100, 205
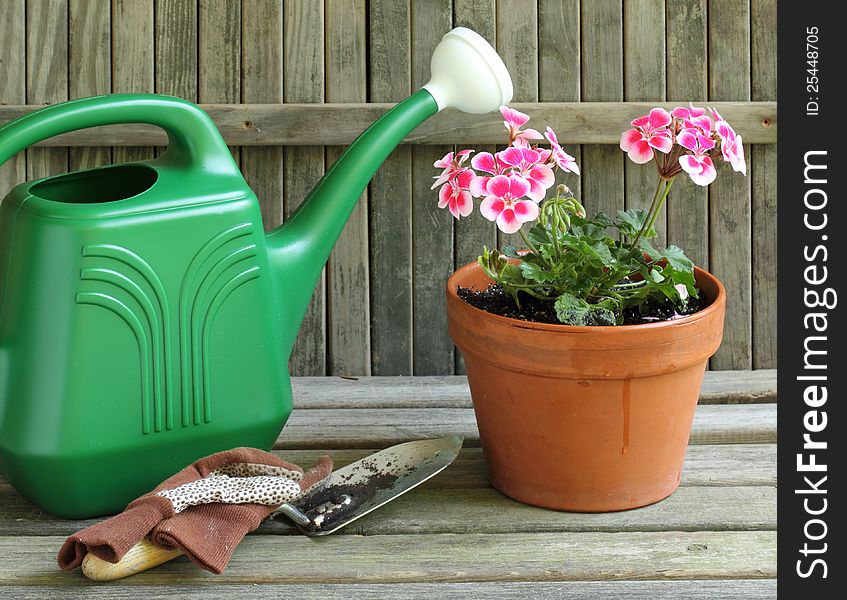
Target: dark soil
494, 300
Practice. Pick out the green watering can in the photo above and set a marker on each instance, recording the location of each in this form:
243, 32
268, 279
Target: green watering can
146, 319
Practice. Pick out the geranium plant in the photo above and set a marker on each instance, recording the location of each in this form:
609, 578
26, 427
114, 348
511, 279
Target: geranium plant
593, 271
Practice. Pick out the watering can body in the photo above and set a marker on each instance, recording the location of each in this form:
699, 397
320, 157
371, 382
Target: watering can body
146, 318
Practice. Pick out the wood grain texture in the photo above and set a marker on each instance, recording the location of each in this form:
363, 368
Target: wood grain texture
763, 171
432, 227
719, 387
391, 198
132, 60
730, 234
176, 48
46, 74
602, 81
261, 81
322, 124
687, 76
348, 280
728, 589
644, 80
366, 427
89, 66
13, 64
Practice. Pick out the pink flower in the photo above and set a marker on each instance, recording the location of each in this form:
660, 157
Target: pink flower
651, 131
528, 163
504, 204
698, 165
691, 112
732, 147
455, 195
514, 120
451, 165
564, 160
487, 163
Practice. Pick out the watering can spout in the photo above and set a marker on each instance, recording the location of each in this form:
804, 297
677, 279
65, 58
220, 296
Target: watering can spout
467, 74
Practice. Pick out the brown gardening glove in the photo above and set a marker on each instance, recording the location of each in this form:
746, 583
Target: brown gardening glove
204, 510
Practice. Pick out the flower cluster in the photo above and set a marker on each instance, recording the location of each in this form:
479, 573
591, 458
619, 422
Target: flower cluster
511, 183
689, 141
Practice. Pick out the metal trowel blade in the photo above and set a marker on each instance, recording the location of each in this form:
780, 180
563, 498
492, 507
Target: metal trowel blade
358, 488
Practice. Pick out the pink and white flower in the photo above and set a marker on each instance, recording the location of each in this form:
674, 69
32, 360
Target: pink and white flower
529, 164
564, 160
504, 203
650, 132
514, 120
732, 147
455, 194
698, 164
681, 112
452, 166
487, 163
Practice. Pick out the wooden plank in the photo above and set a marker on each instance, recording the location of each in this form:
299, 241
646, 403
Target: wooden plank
348, 316
13, 60
644, 79
473, 511
602, 80
432, 227
720, 387
442, 558
219, 53
763, 179
729, 589
729, 196
89, 66
333, 124
176, 48
391, 198
517, 45
303, 167
559, 68
368, 428
687, 75
261, 81
46, 74
471, 235
132, 60
708, 465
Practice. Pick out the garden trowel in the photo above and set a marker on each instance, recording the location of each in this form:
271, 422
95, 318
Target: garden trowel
349, 493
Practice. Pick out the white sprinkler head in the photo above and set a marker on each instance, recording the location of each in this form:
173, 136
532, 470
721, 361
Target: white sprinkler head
468, 74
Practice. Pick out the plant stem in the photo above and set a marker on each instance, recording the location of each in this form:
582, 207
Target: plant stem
649, 212
527, 242
661, 202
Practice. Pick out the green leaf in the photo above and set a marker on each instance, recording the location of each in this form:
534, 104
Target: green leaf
676, 258
535, 272
571, 310
631, 221
656, 275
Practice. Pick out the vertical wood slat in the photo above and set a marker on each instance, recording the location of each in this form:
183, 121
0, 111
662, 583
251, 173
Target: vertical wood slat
89, 66
687, 79
348, 317
602, 81
762, 169
302, 167
470, 235
729, 195
517, 44
12, 61
644, 79
176, 48
132, 60
391, 197
219, 53
261, 82
559, 68
47, 74
432, 227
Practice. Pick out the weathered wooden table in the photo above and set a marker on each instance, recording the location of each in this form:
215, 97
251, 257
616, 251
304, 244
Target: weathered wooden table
457, 537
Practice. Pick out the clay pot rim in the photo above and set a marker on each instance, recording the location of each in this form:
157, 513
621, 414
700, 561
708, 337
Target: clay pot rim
713, 307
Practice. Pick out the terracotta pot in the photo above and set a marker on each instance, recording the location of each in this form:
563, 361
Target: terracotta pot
586, 419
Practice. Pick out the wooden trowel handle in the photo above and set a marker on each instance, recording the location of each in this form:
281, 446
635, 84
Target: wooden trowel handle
144, 555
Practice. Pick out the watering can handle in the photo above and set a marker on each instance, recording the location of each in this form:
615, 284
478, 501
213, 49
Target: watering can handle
194, 141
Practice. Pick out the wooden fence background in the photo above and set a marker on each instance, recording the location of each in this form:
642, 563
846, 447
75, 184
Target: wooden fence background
379, 307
